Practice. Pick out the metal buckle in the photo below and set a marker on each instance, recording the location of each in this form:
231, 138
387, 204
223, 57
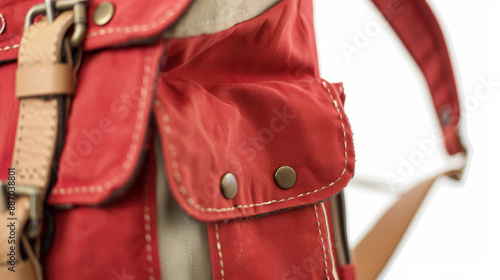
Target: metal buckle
36, 205
49, 7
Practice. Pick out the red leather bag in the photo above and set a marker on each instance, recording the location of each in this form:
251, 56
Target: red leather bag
215, 110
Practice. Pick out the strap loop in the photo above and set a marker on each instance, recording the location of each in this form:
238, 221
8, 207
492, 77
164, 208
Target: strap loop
42, 80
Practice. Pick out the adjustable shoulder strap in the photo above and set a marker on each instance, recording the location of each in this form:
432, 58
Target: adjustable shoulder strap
418, 29
420, 32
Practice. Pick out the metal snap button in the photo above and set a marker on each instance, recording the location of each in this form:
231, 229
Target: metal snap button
229, 185
103, 13
285, 177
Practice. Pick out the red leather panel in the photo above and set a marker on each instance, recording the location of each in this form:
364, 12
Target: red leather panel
116, 241
348, 272
288, 245
9, 106
13, 12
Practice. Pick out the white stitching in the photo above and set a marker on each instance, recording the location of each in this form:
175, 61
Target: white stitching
219, 250
6, 48
22, 104
322, 241
178, 178
147, 228
140, 113
59, 29
329, 238
137, 28
133, 146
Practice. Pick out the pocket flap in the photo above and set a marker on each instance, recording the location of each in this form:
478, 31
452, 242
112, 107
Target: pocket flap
251, 130
107, 126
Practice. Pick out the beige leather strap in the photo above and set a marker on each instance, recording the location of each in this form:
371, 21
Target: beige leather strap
40, 61
41, 46
374, 251
24, 270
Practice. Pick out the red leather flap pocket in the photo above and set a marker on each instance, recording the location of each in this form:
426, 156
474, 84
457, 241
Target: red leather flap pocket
107, 125
250, 130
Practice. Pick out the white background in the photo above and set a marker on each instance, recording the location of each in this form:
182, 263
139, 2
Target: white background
456, 234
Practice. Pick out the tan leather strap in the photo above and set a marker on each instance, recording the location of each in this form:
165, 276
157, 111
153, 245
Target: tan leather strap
374, 251
39, 124
24, 270
41, 46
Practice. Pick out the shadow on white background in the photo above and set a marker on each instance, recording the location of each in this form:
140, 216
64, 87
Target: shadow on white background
456, 234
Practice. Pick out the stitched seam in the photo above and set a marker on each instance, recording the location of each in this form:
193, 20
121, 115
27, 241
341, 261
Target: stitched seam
147, 229
140, 112
22, 106
322, 241
21, 112
135, 137
219, 251
55, 40
6, 48
21, 132
211, 21
190, 201
173, 153
329, 238
137, 28
51, 137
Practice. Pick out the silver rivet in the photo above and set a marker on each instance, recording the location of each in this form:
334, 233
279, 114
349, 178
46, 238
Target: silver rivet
285, 177
103, 13
229, 185
2, 22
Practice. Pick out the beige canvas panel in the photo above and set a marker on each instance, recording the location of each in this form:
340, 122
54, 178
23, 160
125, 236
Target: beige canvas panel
182, 241
212, 16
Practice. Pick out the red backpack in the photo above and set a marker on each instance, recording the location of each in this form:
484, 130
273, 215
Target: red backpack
177, 139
